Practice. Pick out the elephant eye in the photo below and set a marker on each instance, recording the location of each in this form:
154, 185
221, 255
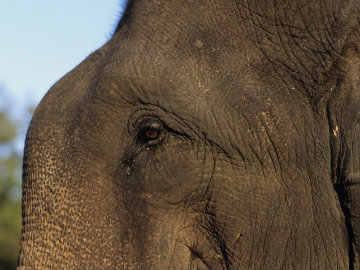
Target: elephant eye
150, 133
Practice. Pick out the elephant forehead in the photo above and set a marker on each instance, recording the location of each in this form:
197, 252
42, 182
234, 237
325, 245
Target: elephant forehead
193, 73
288, 40
198, 51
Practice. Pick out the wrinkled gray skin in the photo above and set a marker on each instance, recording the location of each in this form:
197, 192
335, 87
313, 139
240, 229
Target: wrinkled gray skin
215, 134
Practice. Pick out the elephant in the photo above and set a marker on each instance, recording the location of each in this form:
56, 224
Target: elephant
220, 134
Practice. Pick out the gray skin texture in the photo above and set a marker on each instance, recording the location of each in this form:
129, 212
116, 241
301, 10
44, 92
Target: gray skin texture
214, 134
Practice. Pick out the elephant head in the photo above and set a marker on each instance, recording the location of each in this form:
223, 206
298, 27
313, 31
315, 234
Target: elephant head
218, 134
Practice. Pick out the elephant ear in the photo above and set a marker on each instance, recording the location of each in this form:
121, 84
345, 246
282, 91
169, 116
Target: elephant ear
344, 118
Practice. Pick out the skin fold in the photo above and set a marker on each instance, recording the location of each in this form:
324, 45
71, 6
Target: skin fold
203, 135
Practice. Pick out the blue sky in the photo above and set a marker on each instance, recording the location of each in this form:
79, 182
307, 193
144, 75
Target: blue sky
41, 40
